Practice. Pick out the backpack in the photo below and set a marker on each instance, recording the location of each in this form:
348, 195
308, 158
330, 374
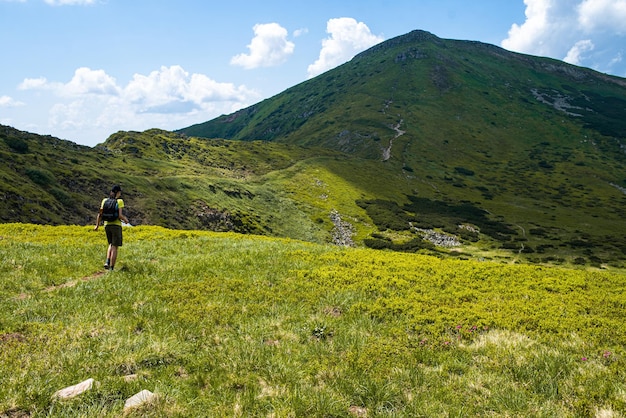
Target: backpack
110, 210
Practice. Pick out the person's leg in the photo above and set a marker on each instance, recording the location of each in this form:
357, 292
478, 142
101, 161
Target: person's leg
112, 256
116, 242
107, 263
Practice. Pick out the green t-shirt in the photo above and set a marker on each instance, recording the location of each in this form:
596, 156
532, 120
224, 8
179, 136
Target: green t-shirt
120, 205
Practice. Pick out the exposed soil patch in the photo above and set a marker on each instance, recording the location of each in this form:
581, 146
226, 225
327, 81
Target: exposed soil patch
73, 283
13, 336
14, 413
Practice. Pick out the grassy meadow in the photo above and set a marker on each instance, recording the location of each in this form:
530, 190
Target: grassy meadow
222, 324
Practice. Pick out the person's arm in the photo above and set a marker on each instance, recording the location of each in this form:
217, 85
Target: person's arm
98, 220
122, 216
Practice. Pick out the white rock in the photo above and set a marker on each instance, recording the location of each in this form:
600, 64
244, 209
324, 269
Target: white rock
71, 391
138, 399
130, 377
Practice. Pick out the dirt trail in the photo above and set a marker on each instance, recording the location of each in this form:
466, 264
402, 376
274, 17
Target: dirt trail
75, 282
399, 132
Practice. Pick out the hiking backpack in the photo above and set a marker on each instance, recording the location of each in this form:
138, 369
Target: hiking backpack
110, 210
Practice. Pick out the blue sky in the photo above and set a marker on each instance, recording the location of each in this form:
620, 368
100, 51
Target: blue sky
83, 69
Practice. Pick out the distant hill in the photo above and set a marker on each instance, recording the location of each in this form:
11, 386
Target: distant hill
167, 180
417, 144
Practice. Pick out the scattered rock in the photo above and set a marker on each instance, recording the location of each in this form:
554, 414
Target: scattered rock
469, 228
358, 411
139, 399
72, 391
618, 187
439, 239
558, 101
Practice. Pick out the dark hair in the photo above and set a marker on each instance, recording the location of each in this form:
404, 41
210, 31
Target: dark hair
114, 190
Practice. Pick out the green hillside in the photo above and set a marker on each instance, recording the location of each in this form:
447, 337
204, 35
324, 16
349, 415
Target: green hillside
538, 144
420, 144
231, 325
167, 180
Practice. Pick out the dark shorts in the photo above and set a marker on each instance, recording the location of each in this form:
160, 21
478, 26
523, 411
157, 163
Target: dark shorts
114, 235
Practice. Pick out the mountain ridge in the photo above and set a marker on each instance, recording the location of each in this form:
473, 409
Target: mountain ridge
238, 125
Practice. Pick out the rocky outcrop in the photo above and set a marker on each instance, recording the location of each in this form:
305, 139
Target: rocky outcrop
439, 239
342, 232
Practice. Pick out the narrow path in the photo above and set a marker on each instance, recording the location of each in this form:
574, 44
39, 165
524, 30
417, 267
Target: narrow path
75, 282
399, 132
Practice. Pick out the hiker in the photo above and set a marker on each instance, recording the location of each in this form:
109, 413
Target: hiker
111, 213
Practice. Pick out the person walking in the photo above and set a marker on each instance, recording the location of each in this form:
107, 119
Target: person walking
111, 213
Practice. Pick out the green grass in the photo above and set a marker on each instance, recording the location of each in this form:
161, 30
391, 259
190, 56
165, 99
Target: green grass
220, 324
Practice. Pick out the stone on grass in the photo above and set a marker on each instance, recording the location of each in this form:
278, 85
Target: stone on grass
72, 391
138, 399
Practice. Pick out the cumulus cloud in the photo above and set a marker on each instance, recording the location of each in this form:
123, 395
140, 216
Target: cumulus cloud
603, 15
84, 82
268, 48
169, 97
347, 38
548, 25
172, 90
574, 55
581, 32
87, 82
34, 83
7, 101
159, 88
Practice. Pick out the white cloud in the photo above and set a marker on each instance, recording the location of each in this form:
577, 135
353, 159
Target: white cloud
585, 32
174, 88
603, 15
34, 83
167, 86
168, 98
616, 60
7, 101
88, 81
347, 38
73, 115
268, 48
300, 32
85, 81
547, 24
574, 55
69, 2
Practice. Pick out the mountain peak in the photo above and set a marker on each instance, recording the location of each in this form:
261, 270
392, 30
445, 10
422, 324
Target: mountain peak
413, 37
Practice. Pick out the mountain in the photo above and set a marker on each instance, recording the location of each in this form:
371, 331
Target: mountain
431, 89
466, 127
417, 144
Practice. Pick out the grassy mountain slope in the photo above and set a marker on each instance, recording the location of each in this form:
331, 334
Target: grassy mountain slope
536, 143
167, 180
